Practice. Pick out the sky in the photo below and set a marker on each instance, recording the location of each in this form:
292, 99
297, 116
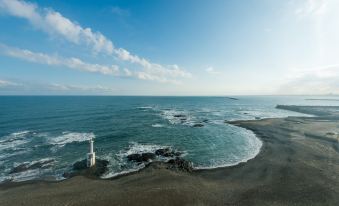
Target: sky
160, 47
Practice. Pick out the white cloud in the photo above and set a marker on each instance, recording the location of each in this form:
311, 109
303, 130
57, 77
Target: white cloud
19, 86
312, 7
120, 11
311, 81
54, 23
73, 63
166, 76
5, 83
212, 71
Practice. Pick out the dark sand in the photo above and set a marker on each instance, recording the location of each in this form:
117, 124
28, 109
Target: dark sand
298, 165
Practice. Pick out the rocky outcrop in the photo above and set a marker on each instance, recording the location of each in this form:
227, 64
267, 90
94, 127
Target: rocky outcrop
180, 164
149, 156
80, 168
144, 157
41, 164
167, 152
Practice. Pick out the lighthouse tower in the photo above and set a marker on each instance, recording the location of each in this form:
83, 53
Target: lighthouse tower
91, 154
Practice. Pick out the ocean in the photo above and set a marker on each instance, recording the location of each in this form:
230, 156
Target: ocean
52, 132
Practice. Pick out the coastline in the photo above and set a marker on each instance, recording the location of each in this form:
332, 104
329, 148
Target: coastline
298, 164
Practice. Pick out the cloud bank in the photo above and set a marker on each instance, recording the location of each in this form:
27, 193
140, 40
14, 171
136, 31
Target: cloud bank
55, 24
311, 81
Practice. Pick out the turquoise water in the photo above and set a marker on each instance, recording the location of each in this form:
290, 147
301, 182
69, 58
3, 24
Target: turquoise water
56, 128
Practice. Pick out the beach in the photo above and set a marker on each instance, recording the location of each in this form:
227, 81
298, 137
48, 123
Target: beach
298, 165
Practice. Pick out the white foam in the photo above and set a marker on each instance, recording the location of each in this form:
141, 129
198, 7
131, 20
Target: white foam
13, 140
157, 125
170, 115
115, 174
146, 107
30, 174
136, 148
20, 133
253, 147
69, 137
119, 160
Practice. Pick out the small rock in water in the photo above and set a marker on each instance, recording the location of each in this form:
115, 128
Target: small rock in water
180, 164
167, 152
198, 125
180, 116
205, 120
31, 166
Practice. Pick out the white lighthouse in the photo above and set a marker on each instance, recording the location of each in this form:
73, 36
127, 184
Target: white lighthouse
91, 154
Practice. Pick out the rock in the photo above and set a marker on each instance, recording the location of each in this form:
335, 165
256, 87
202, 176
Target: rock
257, 118
147, 156
179, 116
144, 157
134, 157
80, 168
166, 152
232, 98
177, 154
180, 164
31, 166
198, 125
205, 120
330, 133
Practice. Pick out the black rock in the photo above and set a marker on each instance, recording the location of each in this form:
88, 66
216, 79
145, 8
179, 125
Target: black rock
144, 157
180, 164
31, 166
147, 156
80, 168
135, 157
165, 152
205, 120
179, 116
198, 125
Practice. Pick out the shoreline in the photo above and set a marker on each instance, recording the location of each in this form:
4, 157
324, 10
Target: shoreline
297, 164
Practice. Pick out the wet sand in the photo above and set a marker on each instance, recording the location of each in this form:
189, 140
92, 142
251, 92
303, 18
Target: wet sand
298, 165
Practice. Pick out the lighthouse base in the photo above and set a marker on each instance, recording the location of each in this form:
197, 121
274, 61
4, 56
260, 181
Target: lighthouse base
90, 159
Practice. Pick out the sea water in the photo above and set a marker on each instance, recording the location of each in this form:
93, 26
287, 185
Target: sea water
52, 132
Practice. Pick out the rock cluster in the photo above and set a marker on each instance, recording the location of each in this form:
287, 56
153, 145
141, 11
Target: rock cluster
175, 163
148, 156
80, 168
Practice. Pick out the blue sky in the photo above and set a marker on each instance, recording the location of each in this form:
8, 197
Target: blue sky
176, 47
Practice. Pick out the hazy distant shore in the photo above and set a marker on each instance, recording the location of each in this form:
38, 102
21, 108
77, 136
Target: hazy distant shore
298, 165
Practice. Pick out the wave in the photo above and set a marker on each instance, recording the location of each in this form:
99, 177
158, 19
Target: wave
15, 139
145, 107
136, 148
178, 117
123, 166
253, 147
28, 170
69, 137
157, 125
